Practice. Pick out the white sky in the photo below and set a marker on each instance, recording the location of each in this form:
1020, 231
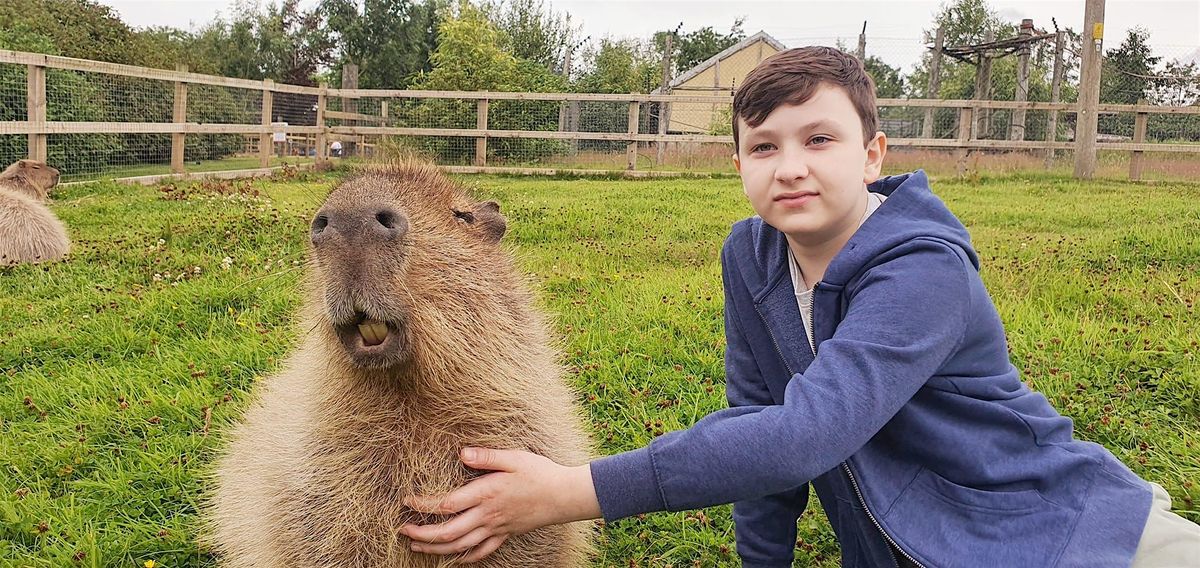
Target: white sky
893, 26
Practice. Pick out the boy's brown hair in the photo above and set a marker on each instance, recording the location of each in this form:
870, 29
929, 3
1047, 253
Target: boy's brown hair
791, 76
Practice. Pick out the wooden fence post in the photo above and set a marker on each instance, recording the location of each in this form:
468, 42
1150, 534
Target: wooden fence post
1016, 130
631, 149
265, 139
481, 123
1138, 159
861, 52
1055, 95
965, 122
322, 147
983, 88
179, 117
1089, 89
935, 79
35, 99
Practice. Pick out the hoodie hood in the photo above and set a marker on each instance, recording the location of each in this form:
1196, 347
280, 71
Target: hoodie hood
910, 211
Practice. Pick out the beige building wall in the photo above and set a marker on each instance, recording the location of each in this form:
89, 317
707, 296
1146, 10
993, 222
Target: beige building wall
721, 78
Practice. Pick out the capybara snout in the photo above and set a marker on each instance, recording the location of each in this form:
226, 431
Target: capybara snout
358, 225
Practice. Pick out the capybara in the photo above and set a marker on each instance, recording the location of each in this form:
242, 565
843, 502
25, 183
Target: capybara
420, 338
29, 231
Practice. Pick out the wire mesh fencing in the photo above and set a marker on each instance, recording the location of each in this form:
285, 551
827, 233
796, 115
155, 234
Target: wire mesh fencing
136, 126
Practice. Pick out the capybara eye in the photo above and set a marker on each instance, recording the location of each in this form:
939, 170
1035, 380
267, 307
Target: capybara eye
464, 216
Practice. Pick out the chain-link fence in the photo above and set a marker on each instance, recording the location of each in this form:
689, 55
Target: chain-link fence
1017, 95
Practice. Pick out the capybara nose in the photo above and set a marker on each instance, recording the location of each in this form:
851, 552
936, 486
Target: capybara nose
362, 225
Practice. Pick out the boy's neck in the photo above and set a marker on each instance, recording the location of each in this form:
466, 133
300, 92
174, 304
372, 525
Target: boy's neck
814, 255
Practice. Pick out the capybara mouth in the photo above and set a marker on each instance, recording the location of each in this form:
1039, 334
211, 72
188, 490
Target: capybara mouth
370, 342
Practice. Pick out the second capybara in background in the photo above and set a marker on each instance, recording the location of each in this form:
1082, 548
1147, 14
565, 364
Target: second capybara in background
29, 231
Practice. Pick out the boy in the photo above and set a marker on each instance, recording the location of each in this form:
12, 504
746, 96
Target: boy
864, 356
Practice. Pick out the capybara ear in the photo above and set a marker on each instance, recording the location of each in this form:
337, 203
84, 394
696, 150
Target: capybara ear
490, 221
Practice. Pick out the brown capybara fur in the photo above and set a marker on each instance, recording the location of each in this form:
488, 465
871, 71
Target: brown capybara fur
29, 231
316, 473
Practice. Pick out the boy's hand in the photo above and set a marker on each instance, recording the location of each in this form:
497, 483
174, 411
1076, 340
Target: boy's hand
525, 492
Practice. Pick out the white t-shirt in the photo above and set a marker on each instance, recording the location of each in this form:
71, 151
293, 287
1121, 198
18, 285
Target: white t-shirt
803, 293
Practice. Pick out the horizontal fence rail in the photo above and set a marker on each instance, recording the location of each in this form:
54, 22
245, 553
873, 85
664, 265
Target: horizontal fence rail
212, 109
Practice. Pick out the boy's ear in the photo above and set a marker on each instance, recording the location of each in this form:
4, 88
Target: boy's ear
876, 149
737, 163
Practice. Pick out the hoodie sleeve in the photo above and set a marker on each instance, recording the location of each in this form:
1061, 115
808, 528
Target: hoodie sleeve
765, 528
905, 318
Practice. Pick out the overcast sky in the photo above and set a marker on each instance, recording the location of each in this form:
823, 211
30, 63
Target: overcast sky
893, 27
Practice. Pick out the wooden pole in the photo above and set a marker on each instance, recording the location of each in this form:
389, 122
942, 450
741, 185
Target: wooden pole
665, 88
1137, 159
481, 123
349, 81
935, 80
964, 135
1017, 128
35, 99
631, 149
322, 148
264, 141
983, 87
1089, 89
179, 117
862, 44
1055, 94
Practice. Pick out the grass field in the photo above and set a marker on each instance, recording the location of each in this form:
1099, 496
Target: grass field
224, 164
121, 368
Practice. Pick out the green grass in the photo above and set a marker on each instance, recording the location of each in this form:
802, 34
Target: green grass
195, 166
110, 361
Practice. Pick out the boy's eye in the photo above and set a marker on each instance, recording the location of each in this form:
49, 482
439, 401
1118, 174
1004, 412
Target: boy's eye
818, 140
764, 147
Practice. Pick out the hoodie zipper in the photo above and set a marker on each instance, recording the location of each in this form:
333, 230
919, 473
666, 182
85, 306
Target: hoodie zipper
858, 492
845, 465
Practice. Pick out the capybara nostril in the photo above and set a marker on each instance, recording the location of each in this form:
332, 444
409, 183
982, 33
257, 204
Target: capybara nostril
389, 223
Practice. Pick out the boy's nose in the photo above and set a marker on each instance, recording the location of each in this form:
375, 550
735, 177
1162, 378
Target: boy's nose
792, 167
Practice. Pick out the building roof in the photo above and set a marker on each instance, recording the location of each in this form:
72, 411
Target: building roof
699, 68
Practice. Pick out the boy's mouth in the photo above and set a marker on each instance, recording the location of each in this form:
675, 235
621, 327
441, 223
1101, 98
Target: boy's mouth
795, 198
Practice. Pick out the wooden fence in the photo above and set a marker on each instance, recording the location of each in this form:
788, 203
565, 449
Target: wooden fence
37, 127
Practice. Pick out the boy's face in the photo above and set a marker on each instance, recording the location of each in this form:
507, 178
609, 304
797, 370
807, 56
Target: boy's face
805, 168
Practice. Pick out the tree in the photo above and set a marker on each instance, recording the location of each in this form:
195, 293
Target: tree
470, 56
391, 41
619, 66
77, 28
1127, 71
889, 81
532, 31
696, 47
967, 22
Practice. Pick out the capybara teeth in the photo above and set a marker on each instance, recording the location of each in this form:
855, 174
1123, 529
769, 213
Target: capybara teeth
373, 332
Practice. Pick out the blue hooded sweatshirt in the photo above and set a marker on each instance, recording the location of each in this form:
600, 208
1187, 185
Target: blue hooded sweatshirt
912, 425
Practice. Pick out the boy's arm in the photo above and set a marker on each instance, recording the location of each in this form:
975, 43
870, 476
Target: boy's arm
765, 528
907, 317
